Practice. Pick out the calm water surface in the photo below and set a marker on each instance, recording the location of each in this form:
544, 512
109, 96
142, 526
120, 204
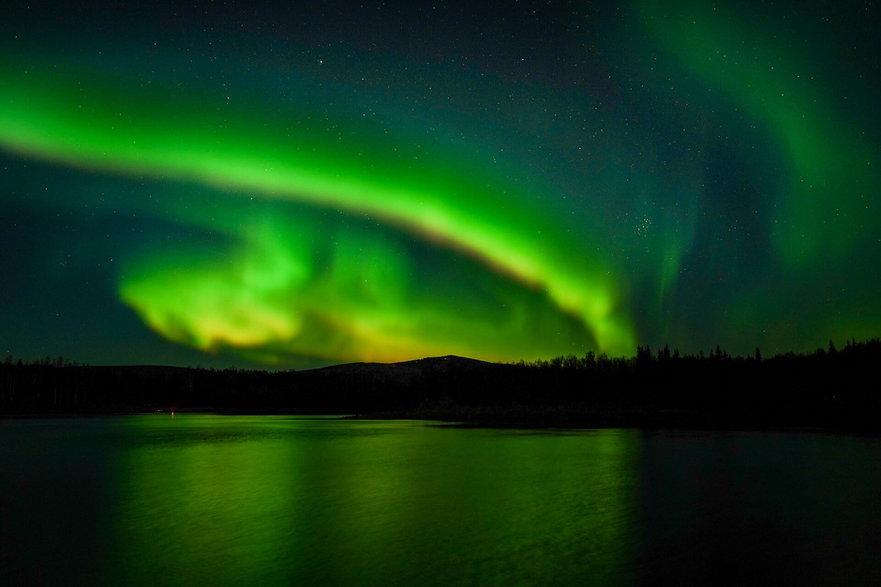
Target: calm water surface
227, 500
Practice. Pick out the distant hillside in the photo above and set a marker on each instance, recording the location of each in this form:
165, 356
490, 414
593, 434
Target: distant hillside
348, 388
404, 373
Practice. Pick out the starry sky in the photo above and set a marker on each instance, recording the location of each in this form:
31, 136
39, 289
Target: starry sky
296, 184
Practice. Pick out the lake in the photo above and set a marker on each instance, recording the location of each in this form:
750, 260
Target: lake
244, 500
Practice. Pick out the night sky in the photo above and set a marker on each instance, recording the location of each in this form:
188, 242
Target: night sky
305, 183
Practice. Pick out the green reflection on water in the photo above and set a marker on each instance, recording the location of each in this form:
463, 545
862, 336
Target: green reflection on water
234, 500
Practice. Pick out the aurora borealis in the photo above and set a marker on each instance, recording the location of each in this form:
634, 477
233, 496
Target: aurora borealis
302, 185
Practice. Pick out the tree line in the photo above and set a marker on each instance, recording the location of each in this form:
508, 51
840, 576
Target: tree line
830, 388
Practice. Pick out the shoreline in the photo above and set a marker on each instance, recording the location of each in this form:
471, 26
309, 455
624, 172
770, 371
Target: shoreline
442, 420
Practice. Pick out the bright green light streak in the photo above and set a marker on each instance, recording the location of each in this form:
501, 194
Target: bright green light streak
95, 122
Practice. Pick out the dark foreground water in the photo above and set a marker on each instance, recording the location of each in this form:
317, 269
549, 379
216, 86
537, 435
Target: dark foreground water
222, 500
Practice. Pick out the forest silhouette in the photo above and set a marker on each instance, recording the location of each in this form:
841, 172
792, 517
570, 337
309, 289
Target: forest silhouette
828, 388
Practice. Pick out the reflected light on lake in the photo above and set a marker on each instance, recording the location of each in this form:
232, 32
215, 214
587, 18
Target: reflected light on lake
234, 500
245, 500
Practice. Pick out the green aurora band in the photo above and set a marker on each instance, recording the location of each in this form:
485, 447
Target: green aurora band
832, 182
783, 71
268, 302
